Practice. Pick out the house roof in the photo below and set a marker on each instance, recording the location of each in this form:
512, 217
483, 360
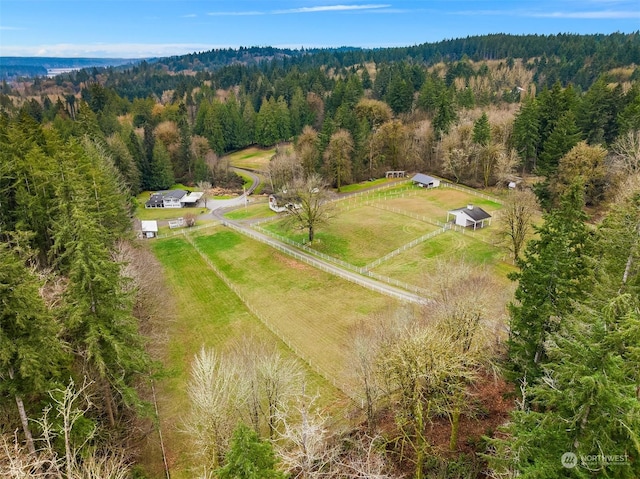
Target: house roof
422, 178
150, 225
155, 200
177, 194
473, 212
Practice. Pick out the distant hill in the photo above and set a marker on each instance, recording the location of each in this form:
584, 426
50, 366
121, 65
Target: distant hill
13, 67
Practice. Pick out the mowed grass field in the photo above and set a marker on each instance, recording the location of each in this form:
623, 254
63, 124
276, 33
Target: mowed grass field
368, 227
252, 211
312, 311
209, 314
359, 235
253, 158
414, 265
435, 202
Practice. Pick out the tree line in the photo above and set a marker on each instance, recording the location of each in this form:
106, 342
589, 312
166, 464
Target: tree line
73, 358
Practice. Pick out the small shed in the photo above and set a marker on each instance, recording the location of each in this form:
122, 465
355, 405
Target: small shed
425, 181
149, 229
470, 216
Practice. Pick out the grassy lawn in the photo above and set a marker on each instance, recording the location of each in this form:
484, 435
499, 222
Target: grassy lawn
413, 265
366, 184
248, 181
253, 158
434, 203
210, 315
360, 235
252, 211
294, 298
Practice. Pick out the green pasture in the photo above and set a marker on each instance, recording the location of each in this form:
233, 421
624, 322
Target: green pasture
210, 315
363, 185
311, 310
434, 203
359, 235
414, 265
253, 158
252, 211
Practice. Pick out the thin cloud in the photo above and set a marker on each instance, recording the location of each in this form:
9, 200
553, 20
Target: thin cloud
189, 15
323, 8
332, 8
235, 14
587, 15
606, 14
10, 28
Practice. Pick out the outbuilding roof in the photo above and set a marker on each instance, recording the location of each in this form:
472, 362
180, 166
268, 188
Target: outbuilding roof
473, 212
149, 226
422, 178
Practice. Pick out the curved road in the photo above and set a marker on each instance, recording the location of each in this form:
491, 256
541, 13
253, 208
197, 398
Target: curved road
213, 205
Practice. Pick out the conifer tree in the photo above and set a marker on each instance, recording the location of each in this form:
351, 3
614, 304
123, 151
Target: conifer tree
564, 136
526, 134
249, 457
100, 325
482, 130
552, 274
31, 354
161, 171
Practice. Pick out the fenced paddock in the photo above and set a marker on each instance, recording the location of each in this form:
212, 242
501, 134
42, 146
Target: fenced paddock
370, 225
292, 297
415, 264
360, 235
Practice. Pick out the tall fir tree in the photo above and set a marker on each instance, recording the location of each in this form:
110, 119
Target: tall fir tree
249, 457
32, 357
552, 275
526, 133
564, 136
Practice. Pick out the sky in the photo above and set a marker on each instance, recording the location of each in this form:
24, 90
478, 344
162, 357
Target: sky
156, 28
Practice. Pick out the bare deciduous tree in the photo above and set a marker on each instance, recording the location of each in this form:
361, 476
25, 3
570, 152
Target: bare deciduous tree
626, 152
307, 150
272, 382
205, 187
215, 395
59, 431
369, 337
469, 309
304, 446
422, 370
309, 201
517, 218
284, 168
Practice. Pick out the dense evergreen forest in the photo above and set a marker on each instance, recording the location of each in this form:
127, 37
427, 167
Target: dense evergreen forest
559, 114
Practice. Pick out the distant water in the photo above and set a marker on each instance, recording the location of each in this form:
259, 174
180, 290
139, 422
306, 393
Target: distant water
52, 72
